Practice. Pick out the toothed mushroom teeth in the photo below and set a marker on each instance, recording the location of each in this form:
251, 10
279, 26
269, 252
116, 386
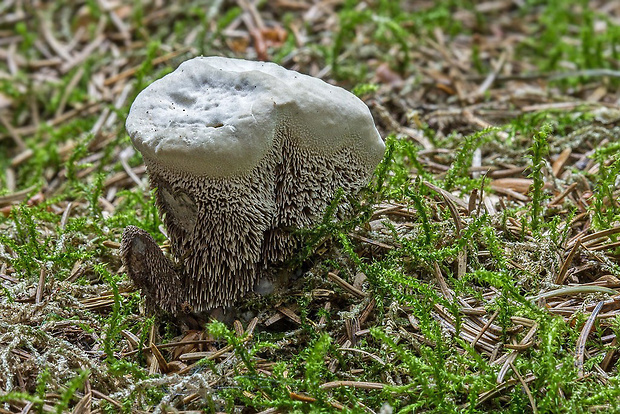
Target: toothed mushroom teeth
240, 153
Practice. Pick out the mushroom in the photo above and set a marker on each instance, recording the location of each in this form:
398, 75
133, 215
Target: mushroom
241, 153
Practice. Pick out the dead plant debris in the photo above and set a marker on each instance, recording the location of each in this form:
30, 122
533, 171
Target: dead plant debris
73, 334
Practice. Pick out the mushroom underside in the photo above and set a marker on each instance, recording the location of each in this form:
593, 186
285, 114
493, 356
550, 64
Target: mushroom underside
227, 232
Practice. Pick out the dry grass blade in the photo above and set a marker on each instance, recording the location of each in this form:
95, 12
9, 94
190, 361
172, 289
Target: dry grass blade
468, 330
251, 326
609, 246
592, 238
366, 353
441, 281
559, 163
458, 223
354, 384
22, 157
346, 285
609, 356
583, 337
373, 242
510, 358
519, 347
308, 399
492, 75
84, 405
102, 396
520, 185
456, 200
112, 244
101, 302
484, 328
194, 356
289, 314
163, 364
497, 391
13, 133
571, 291
124, 156
86, 109
525, 388
510, 193
205, 355
270, 411
559, 280
40, 286
557, 200
157, 61
15, 197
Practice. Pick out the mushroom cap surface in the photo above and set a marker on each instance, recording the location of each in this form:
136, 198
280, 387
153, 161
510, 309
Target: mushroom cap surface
220, 117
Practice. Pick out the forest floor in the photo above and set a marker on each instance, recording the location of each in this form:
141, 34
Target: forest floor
481, 272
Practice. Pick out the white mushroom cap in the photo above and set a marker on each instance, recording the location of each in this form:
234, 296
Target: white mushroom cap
218, 117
